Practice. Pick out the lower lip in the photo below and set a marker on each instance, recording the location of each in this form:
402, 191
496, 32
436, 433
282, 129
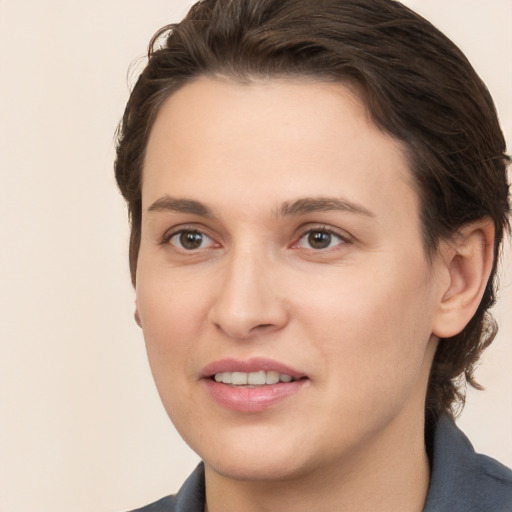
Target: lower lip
252, 399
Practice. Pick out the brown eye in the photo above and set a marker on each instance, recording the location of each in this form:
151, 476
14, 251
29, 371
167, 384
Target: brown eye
319, 239
190, 240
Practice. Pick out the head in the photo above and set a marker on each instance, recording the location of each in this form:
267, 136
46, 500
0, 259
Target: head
417, 87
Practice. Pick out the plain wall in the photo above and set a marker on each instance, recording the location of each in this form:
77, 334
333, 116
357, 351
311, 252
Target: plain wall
81, 425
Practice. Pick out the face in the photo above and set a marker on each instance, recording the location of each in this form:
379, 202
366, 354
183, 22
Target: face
282, 286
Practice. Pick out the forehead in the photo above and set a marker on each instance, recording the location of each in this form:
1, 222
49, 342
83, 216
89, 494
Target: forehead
273, 141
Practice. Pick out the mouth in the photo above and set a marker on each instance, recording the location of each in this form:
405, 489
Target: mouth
252, 379
256, 372
253, 385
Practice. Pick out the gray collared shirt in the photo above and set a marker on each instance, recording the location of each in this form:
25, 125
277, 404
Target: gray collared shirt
461, 480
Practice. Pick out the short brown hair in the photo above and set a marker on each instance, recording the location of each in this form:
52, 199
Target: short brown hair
417, 86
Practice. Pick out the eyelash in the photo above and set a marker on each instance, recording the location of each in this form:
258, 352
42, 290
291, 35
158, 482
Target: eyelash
343, 238
168, 237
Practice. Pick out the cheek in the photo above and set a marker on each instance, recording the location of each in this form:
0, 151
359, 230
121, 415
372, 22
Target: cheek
170, 326
169, 307
172, 317
372, 336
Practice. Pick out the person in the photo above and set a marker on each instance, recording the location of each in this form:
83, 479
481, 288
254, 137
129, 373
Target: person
318, 197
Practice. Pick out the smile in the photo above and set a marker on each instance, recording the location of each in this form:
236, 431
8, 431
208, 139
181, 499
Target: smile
252, 379
252, 386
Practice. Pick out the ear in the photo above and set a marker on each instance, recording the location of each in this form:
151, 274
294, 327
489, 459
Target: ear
468, 258
136, 315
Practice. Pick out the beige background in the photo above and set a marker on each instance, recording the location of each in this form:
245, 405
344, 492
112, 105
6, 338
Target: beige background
81, 426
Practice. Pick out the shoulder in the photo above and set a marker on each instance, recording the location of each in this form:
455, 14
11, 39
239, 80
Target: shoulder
463, 480
190, 498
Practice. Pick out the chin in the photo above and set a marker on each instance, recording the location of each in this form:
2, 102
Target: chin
255, 470
249, 455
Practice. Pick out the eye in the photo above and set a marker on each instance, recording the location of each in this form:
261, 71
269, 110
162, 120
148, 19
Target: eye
320, 239
190, 240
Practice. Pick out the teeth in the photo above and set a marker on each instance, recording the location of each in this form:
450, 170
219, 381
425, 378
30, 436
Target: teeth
260, 378
239, 379
256, 378
272, 377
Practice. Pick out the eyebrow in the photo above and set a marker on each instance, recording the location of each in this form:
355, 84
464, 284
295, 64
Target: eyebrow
296, 208
320, 204
168, 203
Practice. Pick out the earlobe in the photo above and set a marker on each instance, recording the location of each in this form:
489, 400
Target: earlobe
136, 315
468, 258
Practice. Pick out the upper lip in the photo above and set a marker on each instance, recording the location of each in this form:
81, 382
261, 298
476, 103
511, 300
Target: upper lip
255, 364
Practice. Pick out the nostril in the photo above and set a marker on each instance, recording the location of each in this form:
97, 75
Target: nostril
243, 315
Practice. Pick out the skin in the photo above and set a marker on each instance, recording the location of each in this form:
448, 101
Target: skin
358, 317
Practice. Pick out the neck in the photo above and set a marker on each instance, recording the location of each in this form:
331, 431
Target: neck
389, 474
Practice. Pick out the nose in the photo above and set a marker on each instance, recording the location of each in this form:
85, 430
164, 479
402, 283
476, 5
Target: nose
250, 301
